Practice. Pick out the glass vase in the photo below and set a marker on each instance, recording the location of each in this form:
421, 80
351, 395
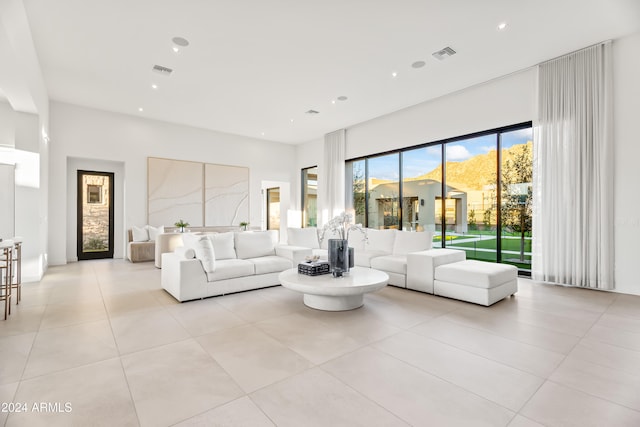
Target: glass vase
338, 256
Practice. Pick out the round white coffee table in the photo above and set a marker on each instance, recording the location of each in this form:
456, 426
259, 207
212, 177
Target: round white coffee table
327, 293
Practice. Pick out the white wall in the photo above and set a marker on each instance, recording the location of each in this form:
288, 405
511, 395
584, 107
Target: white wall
20, 145
93, 134
626, 111
510, 100
22, 82
501, 102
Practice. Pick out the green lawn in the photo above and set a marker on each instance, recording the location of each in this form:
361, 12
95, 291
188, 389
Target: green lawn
490, 243
507, 244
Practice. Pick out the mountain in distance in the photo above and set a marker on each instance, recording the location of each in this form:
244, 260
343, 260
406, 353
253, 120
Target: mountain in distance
476, 172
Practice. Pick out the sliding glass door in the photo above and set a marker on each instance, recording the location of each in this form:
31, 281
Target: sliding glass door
473, 192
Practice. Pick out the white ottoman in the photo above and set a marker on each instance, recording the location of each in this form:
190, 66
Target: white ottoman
483, 283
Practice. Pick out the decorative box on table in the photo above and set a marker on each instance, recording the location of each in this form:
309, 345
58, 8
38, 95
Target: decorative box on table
314, 268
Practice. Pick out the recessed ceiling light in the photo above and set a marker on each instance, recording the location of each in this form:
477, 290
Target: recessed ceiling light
180, 41
154, 86
333, 101
342, 98
394, 74
502, 26
418, 64
140, 109
291, 120
262, 133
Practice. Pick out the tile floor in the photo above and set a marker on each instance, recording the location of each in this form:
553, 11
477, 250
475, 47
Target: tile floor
102, 338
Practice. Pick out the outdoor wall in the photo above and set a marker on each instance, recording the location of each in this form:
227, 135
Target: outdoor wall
93, 134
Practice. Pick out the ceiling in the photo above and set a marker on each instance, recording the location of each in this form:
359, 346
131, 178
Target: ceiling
254, 67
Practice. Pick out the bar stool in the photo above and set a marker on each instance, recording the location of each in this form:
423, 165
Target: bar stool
17, 268
6, 276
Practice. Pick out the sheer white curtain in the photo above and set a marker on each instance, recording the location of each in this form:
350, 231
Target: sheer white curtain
573, 171
331, 183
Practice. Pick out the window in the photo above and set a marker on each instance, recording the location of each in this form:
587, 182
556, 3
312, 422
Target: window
421, 188
310, 197
471, 171
94, 193
383, 207
474, 193
356, 176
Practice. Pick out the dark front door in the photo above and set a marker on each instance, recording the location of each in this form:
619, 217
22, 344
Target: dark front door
95, 215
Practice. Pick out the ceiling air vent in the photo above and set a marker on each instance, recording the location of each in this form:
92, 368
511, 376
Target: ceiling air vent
444, 53
165, 71
312, 112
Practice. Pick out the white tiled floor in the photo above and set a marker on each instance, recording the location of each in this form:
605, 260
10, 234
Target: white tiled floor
104, 337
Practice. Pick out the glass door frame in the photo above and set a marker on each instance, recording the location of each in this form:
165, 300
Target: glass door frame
79, 220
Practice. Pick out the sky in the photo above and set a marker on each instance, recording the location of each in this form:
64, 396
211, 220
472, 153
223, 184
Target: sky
423, 160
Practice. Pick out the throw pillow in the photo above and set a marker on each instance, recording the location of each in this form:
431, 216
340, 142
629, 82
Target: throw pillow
203, 249
223, 245
154, 231
140, 234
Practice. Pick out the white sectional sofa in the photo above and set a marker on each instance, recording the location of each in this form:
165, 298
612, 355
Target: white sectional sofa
409, 260
403, 255
211, 264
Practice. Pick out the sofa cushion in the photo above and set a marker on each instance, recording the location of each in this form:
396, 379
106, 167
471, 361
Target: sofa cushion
380, 240
254, 244
412, 241
390, 263
203, 249
357, 240
154, 231
140, 234
363, 258
270, 264
479, 274
223, 245
231, 268
305, 237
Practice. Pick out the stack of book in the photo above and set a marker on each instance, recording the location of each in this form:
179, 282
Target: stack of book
314, 268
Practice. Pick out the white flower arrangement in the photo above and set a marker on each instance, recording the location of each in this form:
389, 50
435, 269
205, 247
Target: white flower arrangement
341, 226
